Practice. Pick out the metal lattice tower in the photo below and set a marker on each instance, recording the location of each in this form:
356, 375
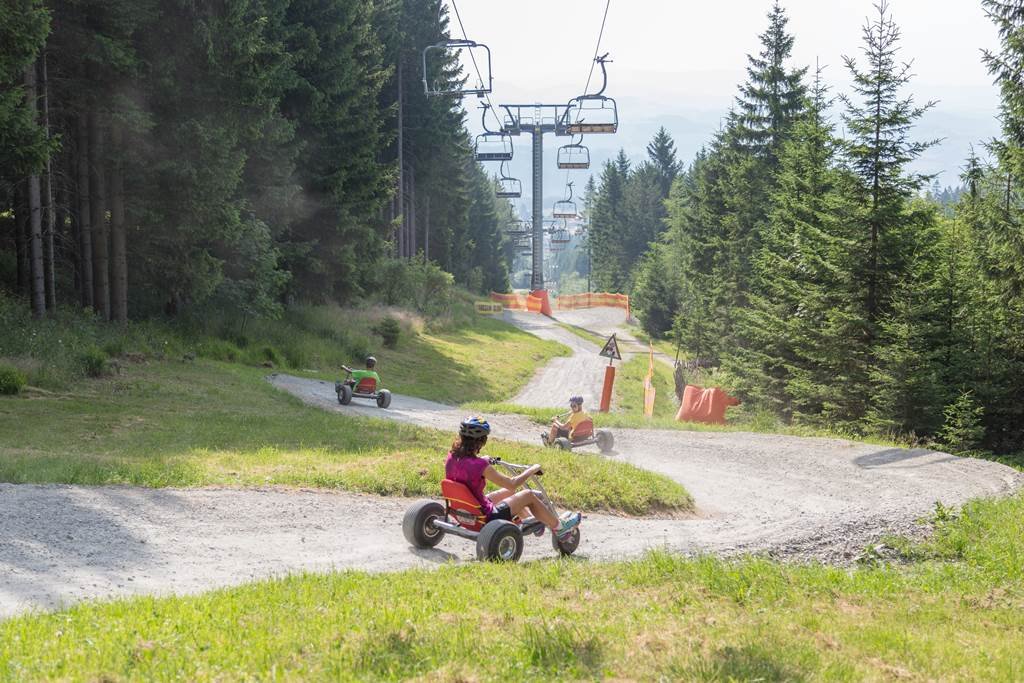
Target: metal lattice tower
536, 120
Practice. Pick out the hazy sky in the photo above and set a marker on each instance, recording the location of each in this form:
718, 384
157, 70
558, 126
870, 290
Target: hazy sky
678, 63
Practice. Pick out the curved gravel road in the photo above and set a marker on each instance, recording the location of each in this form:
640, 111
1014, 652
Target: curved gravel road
784, 496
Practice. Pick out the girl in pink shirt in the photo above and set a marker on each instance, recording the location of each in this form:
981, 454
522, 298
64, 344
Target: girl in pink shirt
465, 465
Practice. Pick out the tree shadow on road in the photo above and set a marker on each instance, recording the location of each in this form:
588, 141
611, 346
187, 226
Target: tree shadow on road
903, 458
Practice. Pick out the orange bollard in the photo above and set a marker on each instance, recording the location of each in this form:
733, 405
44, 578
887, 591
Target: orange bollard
606, 391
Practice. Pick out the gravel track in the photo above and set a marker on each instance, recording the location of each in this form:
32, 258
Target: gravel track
789, 497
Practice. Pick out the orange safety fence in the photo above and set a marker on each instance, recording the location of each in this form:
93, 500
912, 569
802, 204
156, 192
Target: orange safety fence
571, 302
535, 302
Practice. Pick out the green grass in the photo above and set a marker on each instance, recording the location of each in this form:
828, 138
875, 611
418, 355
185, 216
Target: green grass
629, 389
206, 423
956, 615
464, 357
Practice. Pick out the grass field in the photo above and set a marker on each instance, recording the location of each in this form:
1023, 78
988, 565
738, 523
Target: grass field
204, 422
467, 357
957, 613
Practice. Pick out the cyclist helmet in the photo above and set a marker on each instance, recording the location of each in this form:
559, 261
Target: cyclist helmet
576, 400
371, 361
474, 428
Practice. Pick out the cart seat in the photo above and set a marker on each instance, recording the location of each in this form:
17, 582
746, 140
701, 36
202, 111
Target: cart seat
462, 505
584, 430
367, 385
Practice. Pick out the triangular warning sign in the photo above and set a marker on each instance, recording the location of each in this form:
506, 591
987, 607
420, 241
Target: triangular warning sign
611, 349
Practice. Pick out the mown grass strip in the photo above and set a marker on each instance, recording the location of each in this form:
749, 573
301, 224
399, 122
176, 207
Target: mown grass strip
956, 615
206, 423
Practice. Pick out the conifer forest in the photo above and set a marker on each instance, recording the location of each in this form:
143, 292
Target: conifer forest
170, 158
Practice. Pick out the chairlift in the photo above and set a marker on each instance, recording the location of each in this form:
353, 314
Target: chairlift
485, 79
565, 208
492, 145
592, 113
561, 236
574, 156
519, 228
508, 187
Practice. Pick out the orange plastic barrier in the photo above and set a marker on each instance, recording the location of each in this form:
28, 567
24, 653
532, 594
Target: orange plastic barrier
571, 302
704, 405
534, 302
515, 302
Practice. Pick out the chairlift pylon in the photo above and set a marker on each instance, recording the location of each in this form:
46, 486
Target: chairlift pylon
485, 79
492, 145
565, 208
592, 113
575, 155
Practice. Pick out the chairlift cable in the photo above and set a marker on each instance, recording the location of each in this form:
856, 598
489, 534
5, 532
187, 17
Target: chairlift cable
479, 76
597, 49
590, 75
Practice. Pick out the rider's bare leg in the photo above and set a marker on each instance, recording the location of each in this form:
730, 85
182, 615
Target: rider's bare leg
528, 500
499, 495
553, 433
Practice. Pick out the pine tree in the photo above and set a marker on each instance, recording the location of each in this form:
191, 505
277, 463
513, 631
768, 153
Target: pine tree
879, 122
773, 97
800, 334
607, 226
661, 151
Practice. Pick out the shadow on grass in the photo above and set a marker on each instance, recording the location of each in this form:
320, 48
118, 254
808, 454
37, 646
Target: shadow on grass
745, 663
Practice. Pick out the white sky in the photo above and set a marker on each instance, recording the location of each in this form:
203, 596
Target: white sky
678, 63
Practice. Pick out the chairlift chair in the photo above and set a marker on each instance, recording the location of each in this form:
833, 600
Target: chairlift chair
508, 187
592, 113
561, 236
485, 80
518, 229
574, 156
565, 208
493, 147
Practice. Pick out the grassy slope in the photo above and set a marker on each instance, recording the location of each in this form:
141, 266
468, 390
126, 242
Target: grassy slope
193, 424
958, 614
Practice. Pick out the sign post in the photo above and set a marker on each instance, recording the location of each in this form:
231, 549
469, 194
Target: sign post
611, 352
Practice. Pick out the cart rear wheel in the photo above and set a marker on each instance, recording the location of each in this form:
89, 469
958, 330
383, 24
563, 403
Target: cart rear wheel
499, 541
418, 523
383, 398
345, 395
605, 441
563, 443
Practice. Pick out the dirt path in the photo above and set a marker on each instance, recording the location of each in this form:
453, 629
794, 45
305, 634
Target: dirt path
784, 496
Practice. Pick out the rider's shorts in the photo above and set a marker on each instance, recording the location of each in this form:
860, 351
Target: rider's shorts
501, 511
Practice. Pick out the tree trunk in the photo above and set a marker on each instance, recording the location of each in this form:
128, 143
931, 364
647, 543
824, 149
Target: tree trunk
35, 213
21, 238
401, 161
84, 212
118, 254
48, 197
412, 212
100, 238
426, 228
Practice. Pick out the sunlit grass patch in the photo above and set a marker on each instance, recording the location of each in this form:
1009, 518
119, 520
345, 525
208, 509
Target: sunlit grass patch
207, 423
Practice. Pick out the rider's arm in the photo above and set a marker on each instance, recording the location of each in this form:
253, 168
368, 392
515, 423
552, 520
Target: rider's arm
511, 483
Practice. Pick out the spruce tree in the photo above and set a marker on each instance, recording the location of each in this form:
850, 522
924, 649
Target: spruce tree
773, 96
799, 335
661, 151
879, 122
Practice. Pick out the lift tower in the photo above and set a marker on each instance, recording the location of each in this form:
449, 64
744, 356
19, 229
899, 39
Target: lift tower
536, 120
